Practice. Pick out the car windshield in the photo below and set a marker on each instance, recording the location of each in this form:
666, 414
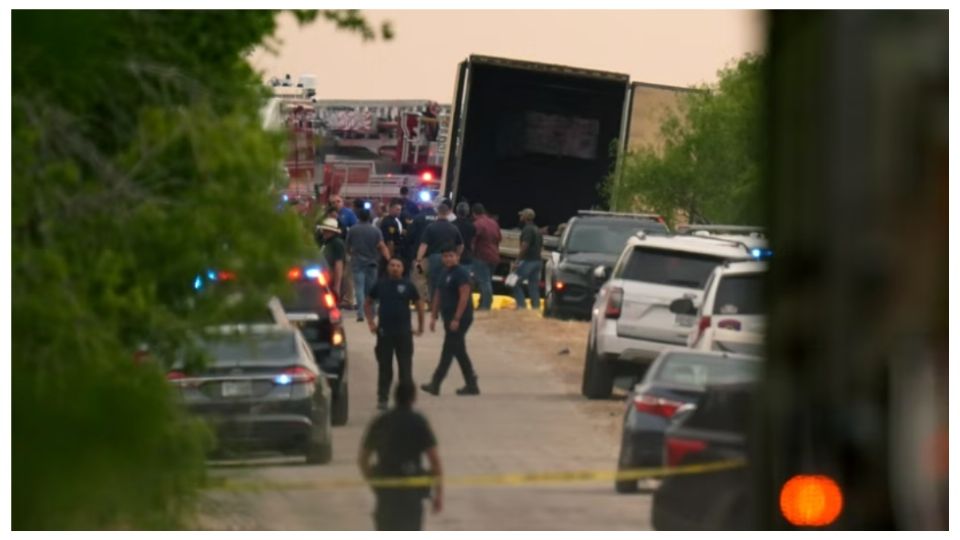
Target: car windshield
307, 297
740, 295
251, 348
608, 236
701, 370
675, 268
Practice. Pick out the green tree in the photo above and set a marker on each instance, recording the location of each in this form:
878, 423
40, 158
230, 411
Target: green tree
138, 160
709, 166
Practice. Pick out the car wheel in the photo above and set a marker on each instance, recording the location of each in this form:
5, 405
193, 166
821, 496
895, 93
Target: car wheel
597, 375
623, 464
626, 486
341, 405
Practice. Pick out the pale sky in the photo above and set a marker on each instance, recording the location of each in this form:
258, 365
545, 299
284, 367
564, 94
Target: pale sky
677, 48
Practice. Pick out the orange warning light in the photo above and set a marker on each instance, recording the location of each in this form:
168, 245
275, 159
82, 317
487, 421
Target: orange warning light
811, 501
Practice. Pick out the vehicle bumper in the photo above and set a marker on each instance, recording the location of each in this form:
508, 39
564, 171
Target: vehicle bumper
641, 449
575, 300
272, 425
611, 346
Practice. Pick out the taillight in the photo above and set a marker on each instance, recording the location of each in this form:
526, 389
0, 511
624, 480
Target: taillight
329, 300
334, 315
656, 406
811, 501
729, 324
614, 303
559, 285
704, 324
322, 278
337, 338
294, 273
295, 374
677, 449
176, 375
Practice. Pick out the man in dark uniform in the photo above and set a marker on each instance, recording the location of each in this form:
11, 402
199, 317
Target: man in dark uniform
392, 228
394, 333
437, 235
426, 216
399, 438
410, 209
453, 301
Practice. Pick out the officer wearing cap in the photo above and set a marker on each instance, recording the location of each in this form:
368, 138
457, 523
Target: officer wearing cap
528, 264
437, 235
333, 251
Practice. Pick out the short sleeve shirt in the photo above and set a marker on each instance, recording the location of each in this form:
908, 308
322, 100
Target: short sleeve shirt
467, 232
363, 240
392, 231
450, 293
399, 438
439, 234
333, 250
534, 240
394, 296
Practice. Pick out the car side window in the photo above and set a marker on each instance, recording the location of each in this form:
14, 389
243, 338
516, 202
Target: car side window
625, 256
566, 233
305, 350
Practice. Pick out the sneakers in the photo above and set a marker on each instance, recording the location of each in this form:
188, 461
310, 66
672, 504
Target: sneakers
469, 390
430, 389
359, 318
381, 405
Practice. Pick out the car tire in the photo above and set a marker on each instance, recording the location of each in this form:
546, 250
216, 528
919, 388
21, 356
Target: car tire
340, 411
626, 486
597, 375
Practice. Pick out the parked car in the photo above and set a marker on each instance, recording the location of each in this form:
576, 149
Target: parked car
678, 377
631, 320
731, 317
260, 388
715, 430
588, 249
312, 308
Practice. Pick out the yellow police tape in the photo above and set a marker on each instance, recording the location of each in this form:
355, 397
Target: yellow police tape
519, 479
502, 301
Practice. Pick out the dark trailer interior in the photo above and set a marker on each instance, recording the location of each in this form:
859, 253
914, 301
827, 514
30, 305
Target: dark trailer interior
533, 135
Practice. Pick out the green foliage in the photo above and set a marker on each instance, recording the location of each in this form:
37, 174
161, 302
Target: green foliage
709, 166
138, 160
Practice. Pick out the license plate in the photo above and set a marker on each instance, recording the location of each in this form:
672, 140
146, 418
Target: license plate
686, 320
236, 388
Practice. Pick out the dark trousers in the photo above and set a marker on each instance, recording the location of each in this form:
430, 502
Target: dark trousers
399, 510
455, 346
387, 346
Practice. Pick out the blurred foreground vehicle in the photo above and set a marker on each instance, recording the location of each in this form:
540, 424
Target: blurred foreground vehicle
677, 378
260, 390
632, 322
313, 310
714, 430
589, 247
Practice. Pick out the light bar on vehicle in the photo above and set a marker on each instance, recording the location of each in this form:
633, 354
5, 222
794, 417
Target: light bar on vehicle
425, 196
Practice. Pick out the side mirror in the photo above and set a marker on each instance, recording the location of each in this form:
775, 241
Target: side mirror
683, 306
600, 273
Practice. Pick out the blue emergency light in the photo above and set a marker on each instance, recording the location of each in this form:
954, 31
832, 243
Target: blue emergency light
425, 196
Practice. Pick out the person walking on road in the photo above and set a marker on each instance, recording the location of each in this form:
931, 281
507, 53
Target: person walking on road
424, 218
346, 219
394, 333
365, 246
333, 251
437, 235
528, 263
452, 300
399, 438
486, 253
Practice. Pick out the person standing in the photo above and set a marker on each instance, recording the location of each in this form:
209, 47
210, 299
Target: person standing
528, 263
394, 332
399, 439
468, 231
365, 246
452, 300
333, 251
437, 235
392, 229
346, 219
410, 208
486, 253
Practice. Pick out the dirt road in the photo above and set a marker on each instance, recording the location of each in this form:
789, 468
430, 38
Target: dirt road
530, 418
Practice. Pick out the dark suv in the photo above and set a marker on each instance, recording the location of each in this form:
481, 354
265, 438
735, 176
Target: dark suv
589, 247
312, 307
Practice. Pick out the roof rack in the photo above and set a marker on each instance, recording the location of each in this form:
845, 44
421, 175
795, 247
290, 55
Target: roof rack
688, 229
642, 235
623, 214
